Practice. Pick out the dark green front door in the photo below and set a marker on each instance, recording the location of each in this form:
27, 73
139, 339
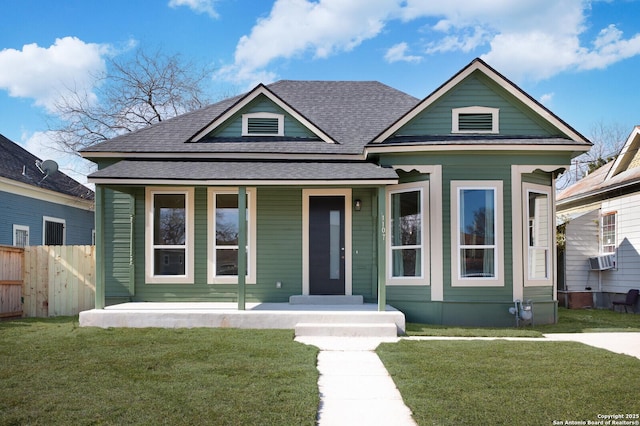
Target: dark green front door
326, 245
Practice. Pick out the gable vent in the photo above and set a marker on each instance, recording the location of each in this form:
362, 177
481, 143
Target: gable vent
474, 119
262, 124
482, 122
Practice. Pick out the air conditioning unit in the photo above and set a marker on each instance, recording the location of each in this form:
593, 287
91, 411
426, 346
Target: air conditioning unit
602, 262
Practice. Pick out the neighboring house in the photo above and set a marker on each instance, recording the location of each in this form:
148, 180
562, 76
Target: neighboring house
40, 205
601, 213
440, 207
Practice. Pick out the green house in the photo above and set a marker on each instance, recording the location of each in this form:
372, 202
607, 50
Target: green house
442, 207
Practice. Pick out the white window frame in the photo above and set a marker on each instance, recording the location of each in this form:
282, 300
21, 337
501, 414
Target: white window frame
20, 228
188, 277
250, 278
495, 119
46, 219
615, 233
423, 188
456, 274
245, 123
528, 280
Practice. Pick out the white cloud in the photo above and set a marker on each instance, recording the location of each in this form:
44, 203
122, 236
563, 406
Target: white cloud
547, 98
43, 146
321, 28
398, 53
199, 6
43, 73
524, 39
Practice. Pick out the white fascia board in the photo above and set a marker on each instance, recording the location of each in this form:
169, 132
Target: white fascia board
467, 148
261, 90
635, 133
498, 79
26, 190
323, 183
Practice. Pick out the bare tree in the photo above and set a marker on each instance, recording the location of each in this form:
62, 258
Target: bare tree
135, 92
608, 139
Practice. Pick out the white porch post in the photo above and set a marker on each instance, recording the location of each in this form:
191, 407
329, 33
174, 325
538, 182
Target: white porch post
242, 246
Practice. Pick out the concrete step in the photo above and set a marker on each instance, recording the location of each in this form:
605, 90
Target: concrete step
326, 300
346, 329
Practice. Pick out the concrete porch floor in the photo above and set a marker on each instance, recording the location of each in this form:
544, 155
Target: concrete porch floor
346, 320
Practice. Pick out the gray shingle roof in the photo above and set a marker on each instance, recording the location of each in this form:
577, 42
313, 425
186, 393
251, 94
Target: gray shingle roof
351, 112
18, 164
239, 171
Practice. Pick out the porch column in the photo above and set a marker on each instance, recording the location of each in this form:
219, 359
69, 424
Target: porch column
99, 249
382, 249
242, 246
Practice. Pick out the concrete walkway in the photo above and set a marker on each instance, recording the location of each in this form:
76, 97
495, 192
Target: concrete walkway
355, 387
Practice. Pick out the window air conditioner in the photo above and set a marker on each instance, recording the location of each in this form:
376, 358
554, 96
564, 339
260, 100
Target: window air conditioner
602, 262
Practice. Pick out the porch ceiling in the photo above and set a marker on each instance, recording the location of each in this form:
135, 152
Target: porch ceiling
145, 171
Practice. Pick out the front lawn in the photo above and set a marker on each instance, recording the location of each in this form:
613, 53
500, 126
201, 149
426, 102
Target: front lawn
511, 383
53, 372
569, 321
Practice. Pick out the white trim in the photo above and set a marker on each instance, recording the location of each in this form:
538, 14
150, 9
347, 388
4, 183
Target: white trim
470, 147
626, 150
478, 65
14, 187
422, 188
261, 90
436, 226
211, 232
516, 225
247, 117
20, 228
235, 182
348, 274
528, 281
188, 277
455, 118
498, 279
46, 219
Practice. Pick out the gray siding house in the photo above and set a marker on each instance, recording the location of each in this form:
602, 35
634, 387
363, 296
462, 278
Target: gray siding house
601, 213
441, 207
40, 206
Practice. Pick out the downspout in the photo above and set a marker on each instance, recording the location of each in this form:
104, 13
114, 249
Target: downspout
132, 260
242, 246
382, 262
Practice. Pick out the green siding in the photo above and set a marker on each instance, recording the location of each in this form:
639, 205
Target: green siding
233, 126
364, 250
477, 90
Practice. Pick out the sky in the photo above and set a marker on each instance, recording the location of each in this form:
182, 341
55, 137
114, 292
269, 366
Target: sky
579, 58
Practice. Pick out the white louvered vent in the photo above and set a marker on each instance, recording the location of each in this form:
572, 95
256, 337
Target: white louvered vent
263, 124
475, 119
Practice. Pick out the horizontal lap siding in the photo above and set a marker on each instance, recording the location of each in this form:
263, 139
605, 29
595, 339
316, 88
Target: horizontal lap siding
117, 243
582, 242
513, 119
364, 245
628, 238
279, 244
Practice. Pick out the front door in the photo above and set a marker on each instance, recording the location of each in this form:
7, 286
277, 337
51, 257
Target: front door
326, 245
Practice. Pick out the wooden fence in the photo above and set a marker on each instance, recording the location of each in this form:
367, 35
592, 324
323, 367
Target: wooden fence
11, 270
56, 280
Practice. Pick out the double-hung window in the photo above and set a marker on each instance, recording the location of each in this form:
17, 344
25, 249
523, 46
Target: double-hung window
224, 228
169, 235
608, 232
407, 233
476, 229
539, 234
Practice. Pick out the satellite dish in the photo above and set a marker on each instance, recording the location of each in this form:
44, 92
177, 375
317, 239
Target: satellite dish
47, 167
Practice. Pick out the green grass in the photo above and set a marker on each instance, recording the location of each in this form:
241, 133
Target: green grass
53, 372
569, 321
511, 383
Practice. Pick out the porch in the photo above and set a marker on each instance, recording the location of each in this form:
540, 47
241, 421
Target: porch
343, 316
